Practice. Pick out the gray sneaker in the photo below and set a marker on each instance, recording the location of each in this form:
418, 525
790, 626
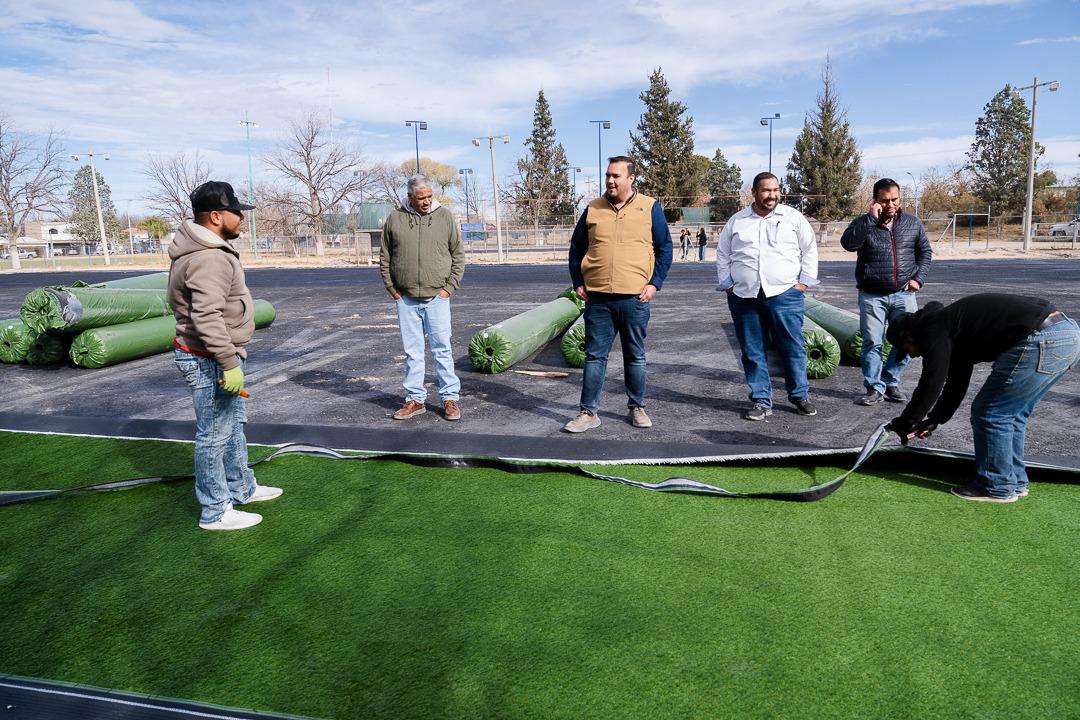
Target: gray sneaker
638, 418
803, 407
893, 394
758, 412
872, 397
585, 421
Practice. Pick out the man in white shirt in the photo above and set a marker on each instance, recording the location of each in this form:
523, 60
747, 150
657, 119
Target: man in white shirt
765, 261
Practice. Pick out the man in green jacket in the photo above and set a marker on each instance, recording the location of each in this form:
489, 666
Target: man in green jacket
422, 261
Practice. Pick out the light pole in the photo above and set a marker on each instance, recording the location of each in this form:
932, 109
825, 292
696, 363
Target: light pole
915, 187
1053, 85
573, 188
600, 125
417, 126
769, 121
248, 124
494, 184
97, 203
465, 173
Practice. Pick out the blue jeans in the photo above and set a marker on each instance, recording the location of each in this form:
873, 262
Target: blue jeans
1019, 378
779, 318
222, 475
875, 312
606, 315
418, 318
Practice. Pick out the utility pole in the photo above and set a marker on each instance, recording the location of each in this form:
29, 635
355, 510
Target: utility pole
248, 124
494, 185
97, 203
600, 125
465, 173
769, 121
417, 126
1053, 85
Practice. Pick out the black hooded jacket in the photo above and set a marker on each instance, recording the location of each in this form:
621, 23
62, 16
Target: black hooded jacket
888, 258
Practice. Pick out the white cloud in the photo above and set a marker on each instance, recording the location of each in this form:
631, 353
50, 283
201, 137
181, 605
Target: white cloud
1043, 41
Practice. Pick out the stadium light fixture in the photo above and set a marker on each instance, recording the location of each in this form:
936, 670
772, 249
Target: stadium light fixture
769, 121
600, 125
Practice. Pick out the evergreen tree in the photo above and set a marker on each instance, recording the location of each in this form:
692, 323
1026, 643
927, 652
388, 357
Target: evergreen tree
663, 147
826, 161
998, 159
541, 191
83, 219
724, 184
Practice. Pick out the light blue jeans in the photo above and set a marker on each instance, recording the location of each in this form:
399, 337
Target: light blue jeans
875, 312
222, 475
418, 318
1019, 378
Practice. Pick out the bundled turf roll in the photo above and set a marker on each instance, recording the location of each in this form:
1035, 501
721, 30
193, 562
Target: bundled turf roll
495, 349
571, 294
98, 347
46, 349
842, 325
153, 281
60, 309
15, 338
573, 344
822, 350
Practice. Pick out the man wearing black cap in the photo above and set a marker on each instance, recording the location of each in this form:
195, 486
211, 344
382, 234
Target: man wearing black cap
1031, 346
214, 322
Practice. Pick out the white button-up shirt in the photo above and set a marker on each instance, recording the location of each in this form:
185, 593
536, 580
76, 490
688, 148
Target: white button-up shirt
771, 253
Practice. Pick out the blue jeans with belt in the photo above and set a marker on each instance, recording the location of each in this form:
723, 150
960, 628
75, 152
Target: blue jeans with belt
778, 319
1019, 378
222, 475
875, 312
606, 315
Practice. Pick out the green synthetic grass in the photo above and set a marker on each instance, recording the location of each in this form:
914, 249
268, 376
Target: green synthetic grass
376, 589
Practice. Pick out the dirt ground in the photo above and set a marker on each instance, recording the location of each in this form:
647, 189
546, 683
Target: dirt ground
333, 358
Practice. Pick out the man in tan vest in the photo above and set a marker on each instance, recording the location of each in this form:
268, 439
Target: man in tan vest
619, 256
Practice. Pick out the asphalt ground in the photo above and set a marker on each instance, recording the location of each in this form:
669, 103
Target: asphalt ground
333, 358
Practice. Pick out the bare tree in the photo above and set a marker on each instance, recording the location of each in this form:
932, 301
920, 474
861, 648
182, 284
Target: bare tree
173, 178
319, 174
32, 177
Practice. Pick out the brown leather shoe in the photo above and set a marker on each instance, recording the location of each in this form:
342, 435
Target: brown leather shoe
410, 408
451, 410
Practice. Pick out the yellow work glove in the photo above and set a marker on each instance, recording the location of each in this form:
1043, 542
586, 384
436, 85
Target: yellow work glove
233, 380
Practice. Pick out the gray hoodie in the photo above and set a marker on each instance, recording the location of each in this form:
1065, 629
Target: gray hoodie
211, 302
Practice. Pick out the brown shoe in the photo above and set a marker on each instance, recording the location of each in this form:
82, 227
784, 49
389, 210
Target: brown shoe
451, 410
410, 408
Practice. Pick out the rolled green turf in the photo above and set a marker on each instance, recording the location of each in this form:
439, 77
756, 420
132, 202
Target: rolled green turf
374, 590
497, 348
47, 349
842, 325
822, 350
99, 347
571, 294
152, 281
15, 337
72, 309
573, 344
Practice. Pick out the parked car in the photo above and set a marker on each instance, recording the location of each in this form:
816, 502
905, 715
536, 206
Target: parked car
1065, 228
23, 255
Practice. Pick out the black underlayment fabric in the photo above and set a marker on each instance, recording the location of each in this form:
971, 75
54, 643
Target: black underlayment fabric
878, 439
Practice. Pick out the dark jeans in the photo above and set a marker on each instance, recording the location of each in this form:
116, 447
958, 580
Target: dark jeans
779, 318
606, 315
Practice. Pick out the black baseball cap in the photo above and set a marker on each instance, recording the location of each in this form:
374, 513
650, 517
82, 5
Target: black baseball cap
216, 195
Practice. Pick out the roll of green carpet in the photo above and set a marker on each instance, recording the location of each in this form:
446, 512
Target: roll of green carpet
60, 309
842, 325
153, 281
822, 350
495, 349
573, 344
45, 349
571, 294
98, 347
15, 337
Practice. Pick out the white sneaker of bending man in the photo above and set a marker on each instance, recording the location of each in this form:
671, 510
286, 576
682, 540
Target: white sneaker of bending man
233, 520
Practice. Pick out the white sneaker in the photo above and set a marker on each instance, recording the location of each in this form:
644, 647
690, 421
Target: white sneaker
233, 520
262, 494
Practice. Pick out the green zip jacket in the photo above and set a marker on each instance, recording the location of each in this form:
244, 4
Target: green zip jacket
421, 254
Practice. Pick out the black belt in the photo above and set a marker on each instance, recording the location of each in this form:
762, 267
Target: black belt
1053, 319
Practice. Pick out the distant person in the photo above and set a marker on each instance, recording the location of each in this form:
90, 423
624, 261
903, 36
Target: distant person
215, 319
766, 258
684, 241
893, 261
422, 262
620, 253
1031, 346
702, 243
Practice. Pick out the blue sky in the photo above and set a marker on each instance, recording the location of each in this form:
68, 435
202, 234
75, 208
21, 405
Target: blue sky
140, 78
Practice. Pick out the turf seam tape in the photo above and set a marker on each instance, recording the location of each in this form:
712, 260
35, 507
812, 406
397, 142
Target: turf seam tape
877, 440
